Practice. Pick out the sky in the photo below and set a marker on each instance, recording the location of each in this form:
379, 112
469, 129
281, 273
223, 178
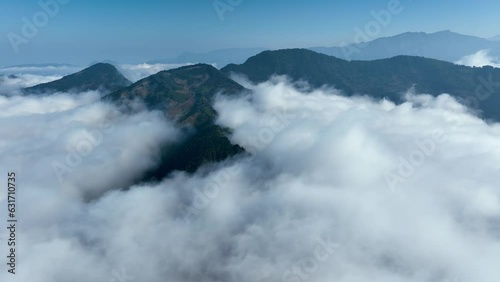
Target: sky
80, 32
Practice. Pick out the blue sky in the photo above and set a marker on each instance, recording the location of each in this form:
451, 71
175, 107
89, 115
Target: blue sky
136, 31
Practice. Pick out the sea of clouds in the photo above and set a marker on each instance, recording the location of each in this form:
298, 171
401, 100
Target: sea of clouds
333, 188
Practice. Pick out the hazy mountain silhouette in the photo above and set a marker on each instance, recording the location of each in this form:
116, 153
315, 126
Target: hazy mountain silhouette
444, 45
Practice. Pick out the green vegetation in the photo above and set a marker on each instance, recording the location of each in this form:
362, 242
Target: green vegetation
186, 96
387, 78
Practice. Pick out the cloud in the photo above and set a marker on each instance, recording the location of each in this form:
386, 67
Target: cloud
44, 70
12, 84
140, 71
312, 202
23, 106
480, 59
62, 139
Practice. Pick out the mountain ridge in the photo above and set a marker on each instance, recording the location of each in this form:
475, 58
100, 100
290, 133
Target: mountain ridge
176, 91
185, 95
383, 78
442, 45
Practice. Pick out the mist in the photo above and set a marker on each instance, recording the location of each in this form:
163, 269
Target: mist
332, 188
13, 84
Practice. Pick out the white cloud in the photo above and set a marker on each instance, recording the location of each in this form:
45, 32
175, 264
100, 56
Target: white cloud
480, 59
311, 204
18, 106
140, 71
63, 139
11, 84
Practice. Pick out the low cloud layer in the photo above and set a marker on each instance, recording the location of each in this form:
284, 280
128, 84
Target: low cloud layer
335, 189
480, 59
12, 84
64, 139
43, 70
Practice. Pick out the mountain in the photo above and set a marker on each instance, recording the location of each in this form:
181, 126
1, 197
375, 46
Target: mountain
101, 76
186, 95
495, 38
386, 78
218, 57
444, 45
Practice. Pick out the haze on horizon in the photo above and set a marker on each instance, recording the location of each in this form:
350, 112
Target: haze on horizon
81, 32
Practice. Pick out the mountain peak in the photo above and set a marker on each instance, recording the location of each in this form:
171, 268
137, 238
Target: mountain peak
185, 94
101, 67
196, 68
442, 45
259, 67
101, 76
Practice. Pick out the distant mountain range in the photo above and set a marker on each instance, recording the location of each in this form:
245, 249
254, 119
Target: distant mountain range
186, 94
495, 38
444, 45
